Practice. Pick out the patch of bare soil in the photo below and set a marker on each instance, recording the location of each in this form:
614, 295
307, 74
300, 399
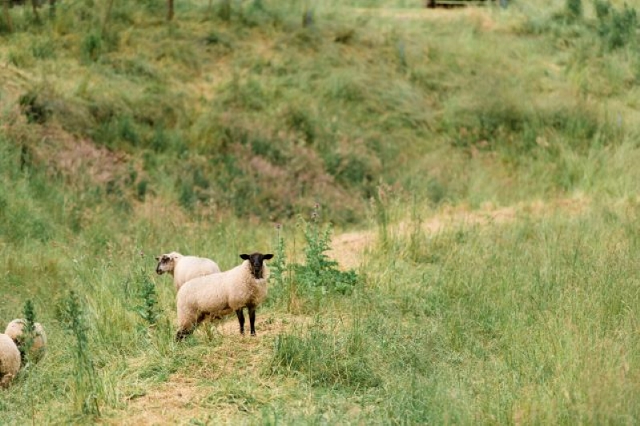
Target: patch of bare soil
173, 402
75, 156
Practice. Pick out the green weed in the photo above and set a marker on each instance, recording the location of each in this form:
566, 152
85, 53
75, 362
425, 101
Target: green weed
28, 332
86, 391
574, 9
617, 28
148, 307
319, 273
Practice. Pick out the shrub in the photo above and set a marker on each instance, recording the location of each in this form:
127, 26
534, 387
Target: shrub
616, 28
574, 9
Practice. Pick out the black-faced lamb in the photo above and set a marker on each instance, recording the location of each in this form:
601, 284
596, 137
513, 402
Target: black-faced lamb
185, 268
221, 294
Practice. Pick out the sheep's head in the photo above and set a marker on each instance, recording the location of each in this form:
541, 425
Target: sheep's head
167, 262
255, 262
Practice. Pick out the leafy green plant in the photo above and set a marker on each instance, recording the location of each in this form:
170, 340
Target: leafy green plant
71, 314
29, 330
617, 28
148, 297
574, 9
319, 272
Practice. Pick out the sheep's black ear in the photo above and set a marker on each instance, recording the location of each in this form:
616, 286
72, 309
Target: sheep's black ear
267, 256
244, 256
158, 258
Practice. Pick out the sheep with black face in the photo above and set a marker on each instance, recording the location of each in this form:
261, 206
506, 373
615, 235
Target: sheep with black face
218, 295
185, 268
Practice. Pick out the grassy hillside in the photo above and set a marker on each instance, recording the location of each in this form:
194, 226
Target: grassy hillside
483, 160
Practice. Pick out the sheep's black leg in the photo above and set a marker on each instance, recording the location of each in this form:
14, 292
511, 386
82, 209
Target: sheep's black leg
241, 319
252, 319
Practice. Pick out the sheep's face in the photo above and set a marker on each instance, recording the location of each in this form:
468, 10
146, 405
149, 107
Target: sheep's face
255, 262
166, 263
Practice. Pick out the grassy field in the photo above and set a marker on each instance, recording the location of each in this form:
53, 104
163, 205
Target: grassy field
472, 171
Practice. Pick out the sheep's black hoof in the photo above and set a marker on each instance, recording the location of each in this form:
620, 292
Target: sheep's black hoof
181, 334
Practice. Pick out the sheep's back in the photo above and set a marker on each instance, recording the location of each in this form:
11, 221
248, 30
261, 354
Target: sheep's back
9, 357
208, 293
190, 267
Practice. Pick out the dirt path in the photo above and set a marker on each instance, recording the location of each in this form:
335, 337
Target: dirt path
348, 248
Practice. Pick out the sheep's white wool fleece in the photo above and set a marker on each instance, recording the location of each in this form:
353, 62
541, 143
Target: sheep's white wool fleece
220, 294
15, 329
9, 360
190, 267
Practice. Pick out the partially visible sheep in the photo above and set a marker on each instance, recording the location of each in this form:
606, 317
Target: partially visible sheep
220, 294
9, 360
38, 346
185, 268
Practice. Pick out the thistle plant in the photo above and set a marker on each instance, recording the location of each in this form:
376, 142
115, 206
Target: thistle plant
29, 331
71, 315
319, 271
148, 307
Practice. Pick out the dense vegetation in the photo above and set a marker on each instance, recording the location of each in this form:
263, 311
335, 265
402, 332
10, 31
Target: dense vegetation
487, 155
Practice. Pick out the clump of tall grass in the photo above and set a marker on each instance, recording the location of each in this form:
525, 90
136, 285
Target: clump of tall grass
325, 358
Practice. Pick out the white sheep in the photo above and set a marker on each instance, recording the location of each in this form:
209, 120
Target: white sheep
185, 268
220, 294
38, 346
9, 360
